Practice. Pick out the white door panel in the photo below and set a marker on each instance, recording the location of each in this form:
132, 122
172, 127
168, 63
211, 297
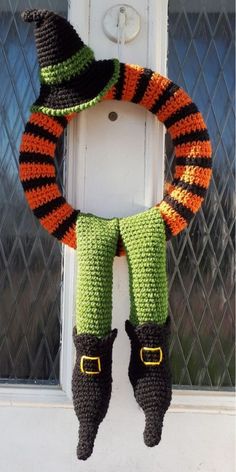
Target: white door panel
36, 439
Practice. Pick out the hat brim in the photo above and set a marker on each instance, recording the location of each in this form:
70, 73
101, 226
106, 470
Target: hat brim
80, 92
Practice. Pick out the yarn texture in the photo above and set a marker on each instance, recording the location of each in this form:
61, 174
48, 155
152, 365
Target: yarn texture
171, 105
150, 375
96, 249
68, 67
91, 392
143, 236
144, 240
73, 80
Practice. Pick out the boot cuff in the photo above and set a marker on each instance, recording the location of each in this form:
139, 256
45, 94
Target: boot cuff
150, 333
88, 344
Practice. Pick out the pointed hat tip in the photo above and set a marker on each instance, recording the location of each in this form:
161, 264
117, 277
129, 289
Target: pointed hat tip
34, 15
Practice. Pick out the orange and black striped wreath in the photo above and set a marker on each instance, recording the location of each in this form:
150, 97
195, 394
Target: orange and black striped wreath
171, 105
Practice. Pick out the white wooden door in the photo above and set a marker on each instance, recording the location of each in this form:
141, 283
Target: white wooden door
115, 168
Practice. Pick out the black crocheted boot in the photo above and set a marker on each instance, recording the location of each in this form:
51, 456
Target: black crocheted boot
149, 374
91, 386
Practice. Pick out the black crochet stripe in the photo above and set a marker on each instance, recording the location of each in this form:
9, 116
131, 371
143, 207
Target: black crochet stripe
36, 130
47, 208
142, 85
62, 229
185, 111
120, 83
166, 95
38, 182
181, 209
35, 158
168, 231
190, 137
196, 189
61, 120
203, 162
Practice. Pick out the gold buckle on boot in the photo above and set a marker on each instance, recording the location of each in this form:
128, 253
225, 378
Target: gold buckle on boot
151, 349
90, 372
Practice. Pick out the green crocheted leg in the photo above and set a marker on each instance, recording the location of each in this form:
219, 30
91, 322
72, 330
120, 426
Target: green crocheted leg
144, 239
96, 248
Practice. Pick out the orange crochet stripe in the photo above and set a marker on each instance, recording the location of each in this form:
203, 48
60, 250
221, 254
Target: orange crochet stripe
31, 171
110, 94
132, 77
47, 123
70, 117
69, 237
57, 216
191, 201
175, 222
157, 85
168, 187
42, 195
31, 143
194, 175
194, 149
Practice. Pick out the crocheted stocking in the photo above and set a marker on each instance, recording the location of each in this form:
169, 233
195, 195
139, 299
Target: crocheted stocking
96, 248
144, 239
93, 338
143, 236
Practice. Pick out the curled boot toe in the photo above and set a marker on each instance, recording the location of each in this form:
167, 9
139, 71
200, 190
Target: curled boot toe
150, 375
91, 386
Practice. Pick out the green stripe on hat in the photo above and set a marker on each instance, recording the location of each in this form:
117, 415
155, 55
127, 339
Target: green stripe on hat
57, 73
83, 106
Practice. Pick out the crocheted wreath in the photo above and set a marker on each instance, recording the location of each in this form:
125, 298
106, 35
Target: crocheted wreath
171, 105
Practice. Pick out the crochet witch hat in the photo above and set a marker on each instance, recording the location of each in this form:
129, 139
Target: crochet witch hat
71, 78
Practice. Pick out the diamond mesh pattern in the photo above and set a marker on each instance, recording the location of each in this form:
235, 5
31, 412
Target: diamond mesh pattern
201, 259
30, 260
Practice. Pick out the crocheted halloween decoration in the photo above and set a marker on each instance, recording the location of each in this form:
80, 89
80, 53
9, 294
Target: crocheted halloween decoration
71, 81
